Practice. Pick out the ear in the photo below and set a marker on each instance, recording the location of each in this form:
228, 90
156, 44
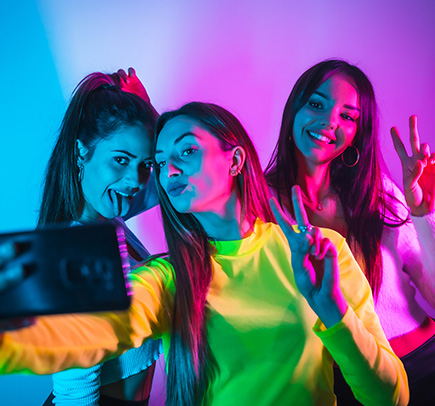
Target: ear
82, 150
238, 157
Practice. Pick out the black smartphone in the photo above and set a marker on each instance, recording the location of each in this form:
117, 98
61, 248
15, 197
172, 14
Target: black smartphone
67, 270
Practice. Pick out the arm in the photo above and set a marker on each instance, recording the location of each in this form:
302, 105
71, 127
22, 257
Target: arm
422, 254
413, 244
329, 278
358, 344
56, 343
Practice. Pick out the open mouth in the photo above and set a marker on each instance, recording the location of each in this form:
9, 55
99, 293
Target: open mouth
320, 138
120, 201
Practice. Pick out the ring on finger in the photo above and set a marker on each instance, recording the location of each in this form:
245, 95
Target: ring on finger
305, 229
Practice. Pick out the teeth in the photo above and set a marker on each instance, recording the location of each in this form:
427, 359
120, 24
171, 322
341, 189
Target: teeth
320, 137
122, 194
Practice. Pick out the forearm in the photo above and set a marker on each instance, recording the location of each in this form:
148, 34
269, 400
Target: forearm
423, 274
56, 343
372, 370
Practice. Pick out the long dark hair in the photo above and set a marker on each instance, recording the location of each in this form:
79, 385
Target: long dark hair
97, 108
190, 362
366, 204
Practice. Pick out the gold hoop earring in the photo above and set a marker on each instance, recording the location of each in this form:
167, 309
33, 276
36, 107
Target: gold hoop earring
349, 151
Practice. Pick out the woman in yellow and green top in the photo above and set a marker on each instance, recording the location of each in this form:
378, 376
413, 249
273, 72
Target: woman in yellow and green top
250, 313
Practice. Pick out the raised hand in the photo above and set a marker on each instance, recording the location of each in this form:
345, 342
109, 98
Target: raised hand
418, 171
130, 83
314, 262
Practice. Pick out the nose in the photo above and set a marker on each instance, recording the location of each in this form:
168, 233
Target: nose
330, 119
173, 169
133, 177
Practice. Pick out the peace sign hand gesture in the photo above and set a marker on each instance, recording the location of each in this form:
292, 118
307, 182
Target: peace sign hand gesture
314, 261
418, 171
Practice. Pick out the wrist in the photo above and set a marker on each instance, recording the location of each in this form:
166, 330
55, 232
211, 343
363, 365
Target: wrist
331, 311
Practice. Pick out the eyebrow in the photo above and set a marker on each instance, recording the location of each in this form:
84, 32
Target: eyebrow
122, 151
348, 106
178, 139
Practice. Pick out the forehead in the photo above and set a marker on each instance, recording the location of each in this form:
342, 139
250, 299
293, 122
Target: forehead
133, 139
179, 128
339, 88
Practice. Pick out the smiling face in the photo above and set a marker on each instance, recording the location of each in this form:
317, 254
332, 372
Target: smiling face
194, 170
119, 167
326, 125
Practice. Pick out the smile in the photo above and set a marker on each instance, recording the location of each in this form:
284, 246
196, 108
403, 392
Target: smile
124, 194
320, 137
176, 188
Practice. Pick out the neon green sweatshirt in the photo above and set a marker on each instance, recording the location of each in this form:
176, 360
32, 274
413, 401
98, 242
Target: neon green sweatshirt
270, 346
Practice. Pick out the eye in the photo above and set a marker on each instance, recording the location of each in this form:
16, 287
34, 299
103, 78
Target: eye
161, 164
188, 151
348, 117
147, 164
315, 105
122, 160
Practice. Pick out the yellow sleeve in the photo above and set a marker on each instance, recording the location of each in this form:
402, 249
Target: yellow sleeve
60, 342
358, 344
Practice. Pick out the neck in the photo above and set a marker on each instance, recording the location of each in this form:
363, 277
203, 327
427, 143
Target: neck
314, 180
225, 224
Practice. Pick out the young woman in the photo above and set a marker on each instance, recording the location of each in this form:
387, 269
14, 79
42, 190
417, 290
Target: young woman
248, 314
328, 145
102, 162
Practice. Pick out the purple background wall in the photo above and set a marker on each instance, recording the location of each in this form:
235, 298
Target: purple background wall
244, 55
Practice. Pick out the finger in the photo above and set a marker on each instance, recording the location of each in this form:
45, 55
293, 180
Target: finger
415, 175
280, 216
398, 144
424, 151
131, 72
317, 239
11, 276
432, 159
413, 134
298, 206
122, 74
328, 253
7, 252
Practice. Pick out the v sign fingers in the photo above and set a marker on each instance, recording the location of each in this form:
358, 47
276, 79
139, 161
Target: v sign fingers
418, 171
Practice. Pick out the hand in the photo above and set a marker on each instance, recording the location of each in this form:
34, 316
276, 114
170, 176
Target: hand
314, 261
418, 171
9, 277
130, 83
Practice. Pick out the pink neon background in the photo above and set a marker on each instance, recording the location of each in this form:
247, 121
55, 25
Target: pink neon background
244, 55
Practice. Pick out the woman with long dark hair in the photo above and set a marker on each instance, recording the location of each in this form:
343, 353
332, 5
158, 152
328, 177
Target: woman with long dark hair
328, 145
249, 313
100, 164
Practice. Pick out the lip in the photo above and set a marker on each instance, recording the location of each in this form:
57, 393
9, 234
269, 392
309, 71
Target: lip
322, 138
176, 188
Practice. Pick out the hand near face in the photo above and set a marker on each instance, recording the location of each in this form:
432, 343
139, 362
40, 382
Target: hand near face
418, 171
314, 262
